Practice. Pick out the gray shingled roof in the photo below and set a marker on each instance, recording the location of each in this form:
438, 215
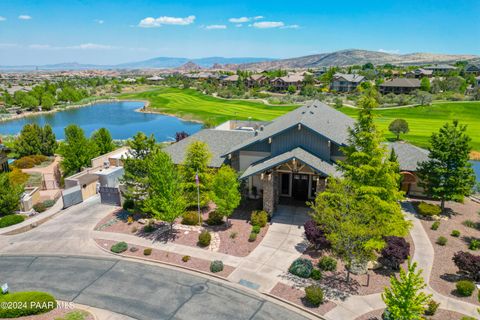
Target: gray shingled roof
298, 153
315, 115
408, 155
218, 141
349, 77
402, 82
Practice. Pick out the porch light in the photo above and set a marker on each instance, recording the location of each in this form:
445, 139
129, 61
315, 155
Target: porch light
299, 126
262, 176
270, 140
229, 156
329, 143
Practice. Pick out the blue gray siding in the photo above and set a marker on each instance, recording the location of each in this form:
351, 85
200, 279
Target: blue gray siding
304, 138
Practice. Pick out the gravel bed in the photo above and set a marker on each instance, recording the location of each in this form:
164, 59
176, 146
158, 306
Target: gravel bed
296, 296
57, 314
444, 272
441, 314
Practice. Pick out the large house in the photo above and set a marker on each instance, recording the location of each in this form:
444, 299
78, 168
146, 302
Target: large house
473, 69
400, 85
441, 68
346, 82
291, 157
420, 73
282, 83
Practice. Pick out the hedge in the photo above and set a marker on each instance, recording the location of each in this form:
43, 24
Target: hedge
21, 304
10, 220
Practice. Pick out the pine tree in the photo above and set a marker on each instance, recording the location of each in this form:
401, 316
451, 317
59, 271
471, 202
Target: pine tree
404, 298
447, 174
164, 199
49, 141
29, 142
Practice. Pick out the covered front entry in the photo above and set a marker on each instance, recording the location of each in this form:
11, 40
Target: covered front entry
300, 187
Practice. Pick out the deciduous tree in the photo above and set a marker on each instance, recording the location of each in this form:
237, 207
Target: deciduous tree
196, 161
77, 150
103, 141
398, 126
29, 142
447, 174
225, 191
9, 195
49, 141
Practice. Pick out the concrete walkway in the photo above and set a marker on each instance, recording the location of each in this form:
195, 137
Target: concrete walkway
283, 243
355, 306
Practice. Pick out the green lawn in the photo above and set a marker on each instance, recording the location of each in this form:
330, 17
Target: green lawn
190, 104
425, 120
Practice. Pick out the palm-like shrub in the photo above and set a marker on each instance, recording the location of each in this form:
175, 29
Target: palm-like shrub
301, 268
395, 252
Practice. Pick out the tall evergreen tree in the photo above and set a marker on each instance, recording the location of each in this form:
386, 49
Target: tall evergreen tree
77, 150
164, 193
404, 298
29, 142
103, 140
447, 174
136, 169
9, 195
49, 141
196, 161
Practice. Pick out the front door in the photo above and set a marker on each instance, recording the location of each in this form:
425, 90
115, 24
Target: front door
300, 187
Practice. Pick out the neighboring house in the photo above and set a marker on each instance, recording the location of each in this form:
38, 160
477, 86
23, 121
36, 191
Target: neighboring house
288, 159
256, 80
282, 83
420, 73
473, 69
441, 68
230, 79
154, 79
4, 158
399, 85
342, 82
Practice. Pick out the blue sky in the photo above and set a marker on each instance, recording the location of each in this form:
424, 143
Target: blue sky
110, 32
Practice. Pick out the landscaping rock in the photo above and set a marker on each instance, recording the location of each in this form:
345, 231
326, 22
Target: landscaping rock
359, 268
374, 265
142, 221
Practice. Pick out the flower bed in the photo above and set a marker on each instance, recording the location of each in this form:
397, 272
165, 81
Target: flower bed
441, 314
296, 296
169, 257
444, 272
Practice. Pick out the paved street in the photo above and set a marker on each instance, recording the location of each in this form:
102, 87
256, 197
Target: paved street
134, 289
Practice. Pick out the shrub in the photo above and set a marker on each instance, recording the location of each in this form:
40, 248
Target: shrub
24, 163
204, 238
315, 235
465, 288
256, 229
33, 302
130, 220
10, 220
147, 251
428, 209
435, 225
190, 218
149, 227
49, 203
474, 244
128, 204
395, 252
39, 207
214, 218
233, 234
314, 295
327, 263
471, 224
468, 318
316, 274
441, 241
259, 218
468, 264
119, 247
252, 237
301, 268
216, 266
455, 233
185, 258
133, 249
432, 307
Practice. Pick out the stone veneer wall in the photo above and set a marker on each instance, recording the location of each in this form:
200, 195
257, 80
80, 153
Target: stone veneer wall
270, 183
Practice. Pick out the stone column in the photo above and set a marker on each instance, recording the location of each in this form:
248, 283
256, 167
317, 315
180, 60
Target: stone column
270, 192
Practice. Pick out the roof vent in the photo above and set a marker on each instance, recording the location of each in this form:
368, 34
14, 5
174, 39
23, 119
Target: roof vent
311, 112
262, 127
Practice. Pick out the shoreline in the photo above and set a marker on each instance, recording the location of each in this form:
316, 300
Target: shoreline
28, 114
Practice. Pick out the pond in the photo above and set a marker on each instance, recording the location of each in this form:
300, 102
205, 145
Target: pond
476, 168
120, 118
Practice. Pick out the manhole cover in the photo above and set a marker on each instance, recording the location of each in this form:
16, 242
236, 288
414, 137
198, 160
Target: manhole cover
199, 288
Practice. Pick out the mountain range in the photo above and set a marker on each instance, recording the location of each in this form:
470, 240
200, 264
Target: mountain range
337, 58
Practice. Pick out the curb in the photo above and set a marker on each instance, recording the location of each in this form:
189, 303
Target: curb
317, 316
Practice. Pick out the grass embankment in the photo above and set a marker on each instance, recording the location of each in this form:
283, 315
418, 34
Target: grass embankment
193, 105
425, 120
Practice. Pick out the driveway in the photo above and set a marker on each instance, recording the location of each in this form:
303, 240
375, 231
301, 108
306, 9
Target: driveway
67, 233
134, 289
283, 243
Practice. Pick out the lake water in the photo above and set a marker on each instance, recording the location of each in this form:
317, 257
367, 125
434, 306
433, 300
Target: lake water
120, 118
476, 168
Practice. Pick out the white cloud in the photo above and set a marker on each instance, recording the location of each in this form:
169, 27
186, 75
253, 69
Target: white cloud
150, 22
216, 26
24, 17
394, 51
258, 17
91, 46
239, 20
291, 26
99, 21
2, 18
40, 46
239, 25
268, 24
